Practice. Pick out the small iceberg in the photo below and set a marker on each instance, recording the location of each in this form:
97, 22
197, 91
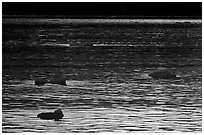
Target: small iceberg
40, 82
56, 115
162, 73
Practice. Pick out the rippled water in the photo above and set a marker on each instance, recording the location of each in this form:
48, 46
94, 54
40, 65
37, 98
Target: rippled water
106, 89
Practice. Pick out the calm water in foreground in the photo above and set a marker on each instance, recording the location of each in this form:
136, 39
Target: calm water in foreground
107, 89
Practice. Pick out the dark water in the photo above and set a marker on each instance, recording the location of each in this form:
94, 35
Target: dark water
107, 89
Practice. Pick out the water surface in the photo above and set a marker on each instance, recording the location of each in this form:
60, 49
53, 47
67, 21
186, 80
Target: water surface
105, 68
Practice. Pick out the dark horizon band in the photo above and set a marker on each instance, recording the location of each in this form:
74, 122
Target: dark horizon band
104, 9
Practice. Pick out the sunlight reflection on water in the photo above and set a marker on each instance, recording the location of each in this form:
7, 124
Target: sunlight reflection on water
104, 107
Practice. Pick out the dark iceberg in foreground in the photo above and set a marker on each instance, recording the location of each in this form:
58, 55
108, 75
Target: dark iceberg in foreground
56, 115
53, 81
162, 74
